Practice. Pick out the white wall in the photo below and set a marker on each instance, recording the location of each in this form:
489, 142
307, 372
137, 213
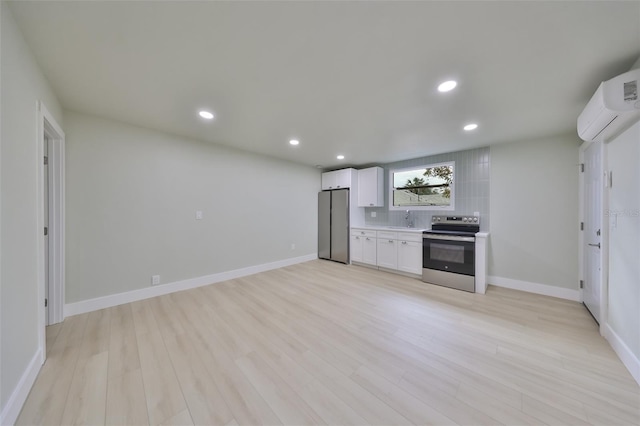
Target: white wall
131, 199
624, 238
23, 84
534, 214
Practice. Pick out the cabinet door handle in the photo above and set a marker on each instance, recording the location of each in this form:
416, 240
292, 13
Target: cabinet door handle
391, 241
404, 242
357, 238
371, 204
367, 238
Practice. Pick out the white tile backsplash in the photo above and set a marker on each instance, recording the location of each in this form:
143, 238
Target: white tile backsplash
471, 178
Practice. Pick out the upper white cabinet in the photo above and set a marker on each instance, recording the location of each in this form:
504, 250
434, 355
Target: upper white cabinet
338, 179
370, 187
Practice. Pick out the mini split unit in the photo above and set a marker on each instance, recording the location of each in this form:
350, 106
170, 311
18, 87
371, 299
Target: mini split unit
613, 108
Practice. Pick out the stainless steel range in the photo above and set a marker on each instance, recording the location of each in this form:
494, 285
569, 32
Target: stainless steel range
448, 252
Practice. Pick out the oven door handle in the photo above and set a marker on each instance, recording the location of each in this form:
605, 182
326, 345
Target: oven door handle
448, 238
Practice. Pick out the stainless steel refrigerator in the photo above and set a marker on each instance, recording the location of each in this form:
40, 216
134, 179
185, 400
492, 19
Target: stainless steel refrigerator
333, 225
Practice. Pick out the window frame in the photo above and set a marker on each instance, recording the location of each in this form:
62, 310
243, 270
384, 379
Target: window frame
452, 188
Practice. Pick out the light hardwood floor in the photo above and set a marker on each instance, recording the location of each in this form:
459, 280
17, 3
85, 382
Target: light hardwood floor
325, 343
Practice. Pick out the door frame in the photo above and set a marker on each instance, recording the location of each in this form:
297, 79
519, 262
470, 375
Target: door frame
47, 127
604, 227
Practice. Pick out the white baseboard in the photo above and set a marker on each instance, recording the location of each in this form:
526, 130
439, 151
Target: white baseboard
11, 411
624, 353
544, 289
159, 290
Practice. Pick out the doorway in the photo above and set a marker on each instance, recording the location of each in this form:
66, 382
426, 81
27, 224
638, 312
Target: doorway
50, 150
592, 230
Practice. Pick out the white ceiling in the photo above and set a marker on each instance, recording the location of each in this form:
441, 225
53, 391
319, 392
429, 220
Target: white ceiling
352, 78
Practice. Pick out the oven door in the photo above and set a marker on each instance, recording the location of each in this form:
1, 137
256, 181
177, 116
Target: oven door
449, 253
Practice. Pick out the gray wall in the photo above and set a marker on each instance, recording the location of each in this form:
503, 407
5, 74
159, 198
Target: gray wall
624, 238
534, 211
22, 86
471, 177
132, 194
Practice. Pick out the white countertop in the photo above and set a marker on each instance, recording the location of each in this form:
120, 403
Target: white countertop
390, 228
405, 229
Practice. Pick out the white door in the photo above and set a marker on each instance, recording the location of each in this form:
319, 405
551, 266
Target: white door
592, 228
46, 229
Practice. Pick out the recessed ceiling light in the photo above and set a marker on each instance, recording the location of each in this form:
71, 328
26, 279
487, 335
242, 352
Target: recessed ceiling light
294, 141
340, 157
206, 115
471, 126
447, 86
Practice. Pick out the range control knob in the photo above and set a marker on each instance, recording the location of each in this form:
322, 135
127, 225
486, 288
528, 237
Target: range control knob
464, 219
475, 219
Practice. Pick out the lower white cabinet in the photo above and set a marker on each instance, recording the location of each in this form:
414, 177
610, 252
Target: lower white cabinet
400, 251
387, 253
363, 246
387, 249
410, 257
356, 248
369, 251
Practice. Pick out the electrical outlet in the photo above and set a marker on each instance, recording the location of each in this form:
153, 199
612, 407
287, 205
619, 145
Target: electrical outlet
373, 214
198, 214
293, 246
476, 214
155, 279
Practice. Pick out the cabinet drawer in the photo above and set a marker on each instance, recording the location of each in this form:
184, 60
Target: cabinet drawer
387, 235
356, 232
410, 236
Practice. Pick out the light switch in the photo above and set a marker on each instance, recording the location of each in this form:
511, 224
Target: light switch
373, 214
198, 214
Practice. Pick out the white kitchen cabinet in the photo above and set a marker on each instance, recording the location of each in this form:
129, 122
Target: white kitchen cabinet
370, 187
328, 180
338, 179
363, 246
410, 252
389, 249
356, 248
370, 251
387, 256
410, 257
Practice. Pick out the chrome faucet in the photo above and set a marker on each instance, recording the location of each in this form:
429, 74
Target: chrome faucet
407, 218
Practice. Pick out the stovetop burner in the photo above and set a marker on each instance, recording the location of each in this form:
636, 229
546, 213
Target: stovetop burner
460, 232
454, 225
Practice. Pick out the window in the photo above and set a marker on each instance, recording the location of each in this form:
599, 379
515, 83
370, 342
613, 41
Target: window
428, 187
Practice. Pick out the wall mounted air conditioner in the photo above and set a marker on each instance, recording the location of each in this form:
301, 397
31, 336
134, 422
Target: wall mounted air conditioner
613, 108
